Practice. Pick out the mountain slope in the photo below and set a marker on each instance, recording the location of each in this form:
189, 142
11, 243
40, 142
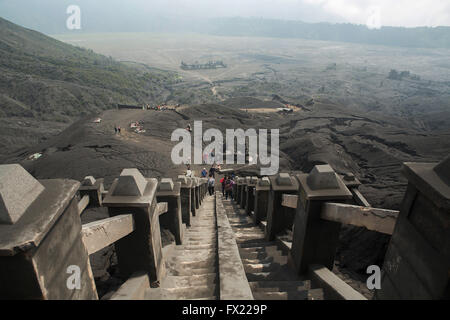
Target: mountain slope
48, 79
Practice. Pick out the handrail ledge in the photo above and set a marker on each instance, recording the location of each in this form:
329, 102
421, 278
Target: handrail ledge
380, 220
102, 233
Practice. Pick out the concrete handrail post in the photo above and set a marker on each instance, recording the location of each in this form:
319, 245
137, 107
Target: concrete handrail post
417, 261
170, 192
235, 188
262, 190
193, 197
94, 189
243, 196
250, 202
197, 193
278, 217
131, 193
352, 183
186, 197
239, 185
204, 187
200, 191
315, 240
41, 246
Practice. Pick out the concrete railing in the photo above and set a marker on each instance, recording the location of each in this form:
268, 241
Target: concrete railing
44, 248
233, 281
315, 205
375, 219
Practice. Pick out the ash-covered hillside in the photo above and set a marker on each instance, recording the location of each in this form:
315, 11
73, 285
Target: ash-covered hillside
46, 84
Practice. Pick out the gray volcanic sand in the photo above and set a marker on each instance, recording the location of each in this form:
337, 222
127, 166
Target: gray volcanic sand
373, 149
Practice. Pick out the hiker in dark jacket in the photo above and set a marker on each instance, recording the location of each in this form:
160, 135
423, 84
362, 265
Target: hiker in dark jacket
212, 171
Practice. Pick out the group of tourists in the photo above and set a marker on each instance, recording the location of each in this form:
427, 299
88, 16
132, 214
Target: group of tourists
226, 182
227, 186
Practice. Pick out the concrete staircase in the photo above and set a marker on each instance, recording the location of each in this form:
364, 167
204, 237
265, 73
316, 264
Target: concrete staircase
266, 267
192, 271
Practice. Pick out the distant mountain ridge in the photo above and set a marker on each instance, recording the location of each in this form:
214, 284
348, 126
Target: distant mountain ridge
426, 37
49, 16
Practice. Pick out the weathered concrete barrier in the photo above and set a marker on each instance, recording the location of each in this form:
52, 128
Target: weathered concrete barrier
314, 239
417, 261
352, 183
262, 190
186, 198
334, 288
233, 281
40, 238
102, 233
169, 192
204, 187
131, 193
250, 202
239, 185
235, 189
134, 288
243, 196
197, 193
200, 191
94, 189
279, 218
193, 197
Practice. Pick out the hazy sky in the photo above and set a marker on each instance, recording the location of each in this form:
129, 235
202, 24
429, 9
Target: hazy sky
409, 13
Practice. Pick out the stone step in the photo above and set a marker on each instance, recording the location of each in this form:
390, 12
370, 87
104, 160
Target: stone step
207, 279
241, 223
237, 224
199, 242
271, 248
195, 264
193, 255
203, 233
251, 240
274, 286
261, 267
280, 259
248, 229
202, 239
282, 274
313, 294
249, 235
261, 255
196, 247
191, 271
184, 293
256, 244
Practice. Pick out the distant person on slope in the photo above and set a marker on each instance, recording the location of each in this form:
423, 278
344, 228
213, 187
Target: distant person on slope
211, 183
204, 173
